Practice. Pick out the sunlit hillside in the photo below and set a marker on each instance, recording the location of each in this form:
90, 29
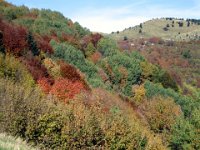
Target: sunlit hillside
166, 28
64, 87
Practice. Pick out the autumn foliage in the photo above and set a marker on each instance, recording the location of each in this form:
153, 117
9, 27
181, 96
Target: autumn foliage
45, 84
43, 44
35, 67
65, 89
14, 38
96, 57
92, 38
69, 72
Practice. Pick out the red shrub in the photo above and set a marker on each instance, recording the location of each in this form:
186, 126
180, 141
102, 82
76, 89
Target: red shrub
69, 72
44, 45
155, 40
85, 41
65, 89
95, 39
35, 67
14, 38
71, 39
46, 38
45, 84
124, 45
95, 57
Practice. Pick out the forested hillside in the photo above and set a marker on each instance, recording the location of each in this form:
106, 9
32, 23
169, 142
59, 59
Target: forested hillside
64, 87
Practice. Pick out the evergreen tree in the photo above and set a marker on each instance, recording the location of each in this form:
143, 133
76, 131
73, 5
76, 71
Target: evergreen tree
141, 25
33, 45
2, 49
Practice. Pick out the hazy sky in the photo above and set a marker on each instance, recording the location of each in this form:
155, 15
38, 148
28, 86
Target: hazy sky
113, 15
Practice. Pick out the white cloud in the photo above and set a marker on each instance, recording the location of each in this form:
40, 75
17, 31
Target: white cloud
108, 19
108, 24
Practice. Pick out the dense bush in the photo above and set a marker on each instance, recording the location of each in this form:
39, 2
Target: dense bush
42, 21
73, 126
184, 136
107, 47
82, 31
187, 104
14, 38
123, 70
139, 94
11, 13
54, 21
12, 69
157, 75
44, 46
35, 67
65, 89
90, 49
75, 57
161, 113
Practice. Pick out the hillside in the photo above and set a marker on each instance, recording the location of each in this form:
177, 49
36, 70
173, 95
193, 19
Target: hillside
180, 59
64, 87
166, 28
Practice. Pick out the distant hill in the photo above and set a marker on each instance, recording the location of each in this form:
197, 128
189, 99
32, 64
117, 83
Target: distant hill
166, 28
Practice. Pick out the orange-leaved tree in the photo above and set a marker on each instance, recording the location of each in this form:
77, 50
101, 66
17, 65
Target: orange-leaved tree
65, 89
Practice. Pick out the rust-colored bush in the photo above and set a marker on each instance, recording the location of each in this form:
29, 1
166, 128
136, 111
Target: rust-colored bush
35, 67
45, 84
95, 57
14, 38
69, 72
44, 45
65, 89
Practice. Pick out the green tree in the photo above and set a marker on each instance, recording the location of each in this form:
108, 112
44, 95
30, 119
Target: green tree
123, 70
183, 135
32, 44
82, 31
107, 47
186, 54
90, 49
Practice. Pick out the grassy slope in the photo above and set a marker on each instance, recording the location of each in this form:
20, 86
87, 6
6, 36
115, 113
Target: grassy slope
154, 28
11, 143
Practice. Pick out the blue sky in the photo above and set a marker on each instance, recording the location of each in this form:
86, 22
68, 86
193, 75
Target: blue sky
113, 15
